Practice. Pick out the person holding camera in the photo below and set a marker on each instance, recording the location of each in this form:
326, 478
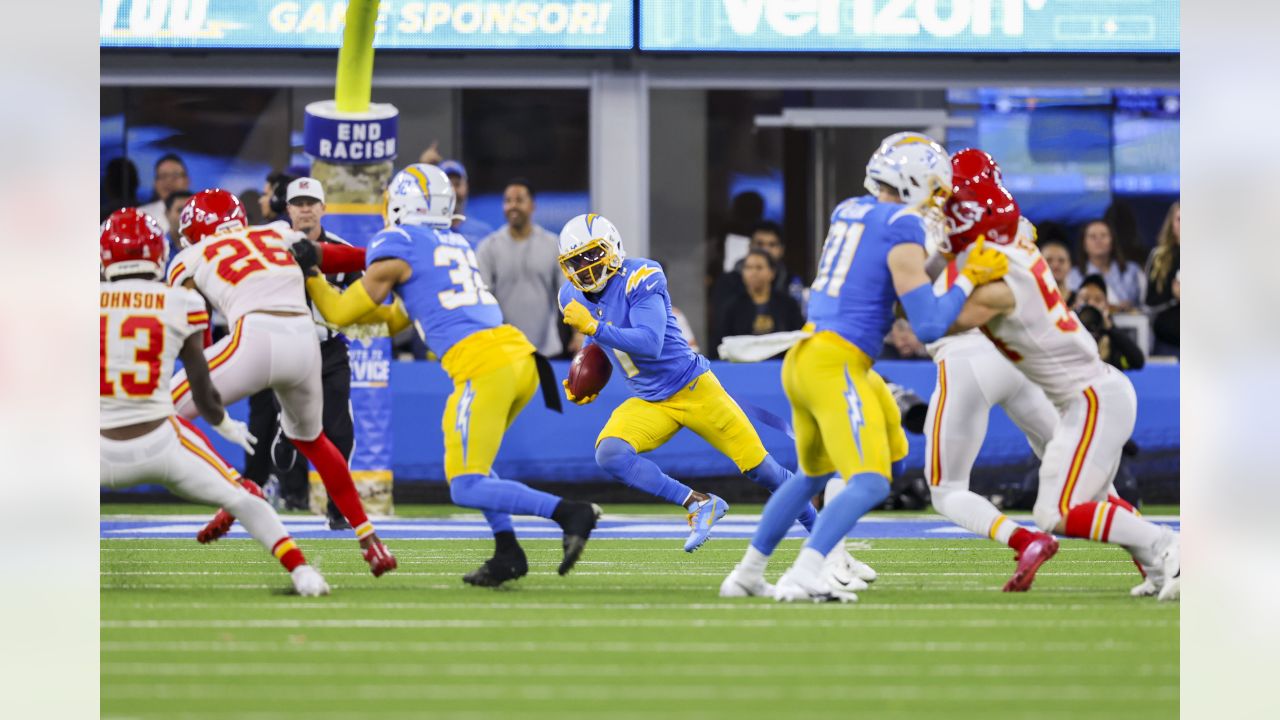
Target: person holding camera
1114, 345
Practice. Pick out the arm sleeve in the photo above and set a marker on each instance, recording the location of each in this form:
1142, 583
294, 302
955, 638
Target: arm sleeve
336, 258
340, 308
645, 337
931, 315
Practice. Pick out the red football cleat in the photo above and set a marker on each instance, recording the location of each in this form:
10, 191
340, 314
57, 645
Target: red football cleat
380, 559
1036, 553
221, 523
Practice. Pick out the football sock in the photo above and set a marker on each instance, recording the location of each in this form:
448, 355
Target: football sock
754, 561
499, 522
335, 474
263, 525
863, 492
976, 514
770, 475
1108, 522
1019, 538
782, 509
1125, 504
619, 459
485, 492
504, 543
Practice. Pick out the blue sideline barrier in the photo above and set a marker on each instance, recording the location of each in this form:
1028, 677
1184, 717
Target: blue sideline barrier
545, 446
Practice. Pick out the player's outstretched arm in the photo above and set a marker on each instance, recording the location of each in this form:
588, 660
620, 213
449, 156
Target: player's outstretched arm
205, 395
363, 296
985, 304
930, 315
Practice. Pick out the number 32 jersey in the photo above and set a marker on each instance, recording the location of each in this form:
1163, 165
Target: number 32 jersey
245, 270
853, 293
445, 295
143, 325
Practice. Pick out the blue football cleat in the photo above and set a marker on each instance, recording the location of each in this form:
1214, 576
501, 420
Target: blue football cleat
704, 515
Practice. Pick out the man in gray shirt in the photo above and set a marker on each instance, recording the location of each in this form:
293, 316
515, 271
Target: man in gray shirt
520, 263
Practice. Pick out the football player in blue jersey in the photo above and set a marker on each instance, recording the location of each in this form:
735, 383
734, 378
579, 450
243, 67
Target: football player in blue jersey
432, 270
845, 420
622, 304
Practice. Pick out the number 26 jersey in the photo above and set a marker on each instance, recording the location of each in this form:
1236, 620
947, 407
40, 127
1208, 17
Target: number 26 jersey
445, 295
852, 294
244, 270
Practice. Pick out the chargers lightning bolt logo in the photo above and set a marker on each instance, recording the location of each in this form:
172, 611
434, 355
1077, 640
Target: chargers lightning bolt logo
855, 411
463, 424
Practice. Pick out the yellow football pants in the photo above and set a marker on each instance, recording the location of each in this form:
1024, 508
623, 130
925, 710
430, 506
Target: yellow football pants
480, 410
844, 416
704, 407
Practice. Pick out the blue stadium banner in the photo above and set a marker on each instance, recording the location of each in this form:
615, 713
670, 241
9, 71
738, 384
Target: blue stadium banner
943, 26
406, 24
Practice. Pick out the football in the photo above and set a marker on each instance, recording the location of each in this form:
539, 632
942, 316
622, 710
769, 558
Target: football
589, 371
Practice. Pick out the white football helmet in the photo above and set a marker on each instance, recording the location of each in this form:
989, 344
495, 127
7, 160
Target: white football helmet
914, 165
420, 194
590, 251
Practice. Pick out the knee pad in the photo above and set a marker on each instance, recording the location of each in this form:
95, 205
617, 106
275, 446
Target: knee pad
1046, 516
460, 489
615, 456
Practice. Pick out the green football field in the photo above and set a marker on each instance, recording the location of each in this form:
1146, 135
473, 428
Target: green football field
636, 631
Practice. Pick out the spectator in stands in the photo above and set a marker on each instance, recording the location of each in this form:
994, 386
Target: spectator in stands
431, 155
761, 308
273, 203
119, 186
1164, 262
171, 176
1099, 254
902, 344
473, 229
1058, 256
172, 209
1120, 217
1166, 322
767, 236
252, 201
1114, 345
520, 263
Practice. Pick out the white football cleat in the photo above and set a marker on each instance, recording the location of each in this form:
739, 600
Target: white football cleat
838, 569
741, 584
308, 582
1147, 588
1170, 564
799, 586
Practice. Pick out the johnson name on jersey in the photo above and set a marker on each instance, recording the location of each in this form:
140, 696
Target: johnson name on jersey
1041, 335
446, 295
244, 270
143, 324
642, 281
853, 293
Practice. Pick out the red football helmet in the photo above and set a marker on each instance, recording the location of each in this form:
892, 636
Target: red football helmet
979, 205
132, 243
974, 163
209, 212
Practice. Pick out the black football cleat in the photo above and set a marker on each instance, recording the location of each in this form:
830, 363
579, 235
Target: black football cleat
577, 519
499, 569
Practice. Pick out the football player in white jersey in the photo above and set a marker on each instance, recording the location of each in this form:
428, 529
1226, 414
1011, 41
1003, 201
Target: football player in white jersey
249, 275
144, 326
1025, 318
974, 377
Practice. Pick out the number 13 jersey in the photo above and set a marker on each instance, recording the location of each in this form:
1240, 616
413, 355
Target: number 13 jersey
853, 293
1041, 335
445, 295
245, 270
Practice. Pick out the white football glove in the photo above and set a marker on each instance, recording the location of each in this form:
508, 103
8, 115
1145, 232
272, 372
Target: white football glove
237, 432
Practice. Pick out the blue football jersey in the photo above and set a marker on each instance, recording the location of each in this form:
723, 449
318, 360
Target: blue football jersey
445, 296
853, 293
649, 378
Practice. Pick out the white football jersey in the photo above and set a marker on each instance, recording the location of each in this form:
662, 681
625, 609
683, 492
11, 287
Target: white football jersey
143, 326
245, 269
1042, 336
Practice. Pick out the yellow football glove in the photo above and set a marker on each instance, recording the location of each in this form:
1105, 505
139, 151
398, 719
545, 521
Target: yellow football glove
573, 399
578, 317
984, 264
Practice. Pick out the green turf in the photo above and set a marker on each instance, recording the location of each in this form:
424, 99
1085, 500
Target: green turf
636, 631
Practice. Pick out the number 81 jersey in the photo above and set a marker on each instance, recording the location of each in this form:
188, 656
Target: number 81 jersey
1041, 335
244, 270
445, 295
